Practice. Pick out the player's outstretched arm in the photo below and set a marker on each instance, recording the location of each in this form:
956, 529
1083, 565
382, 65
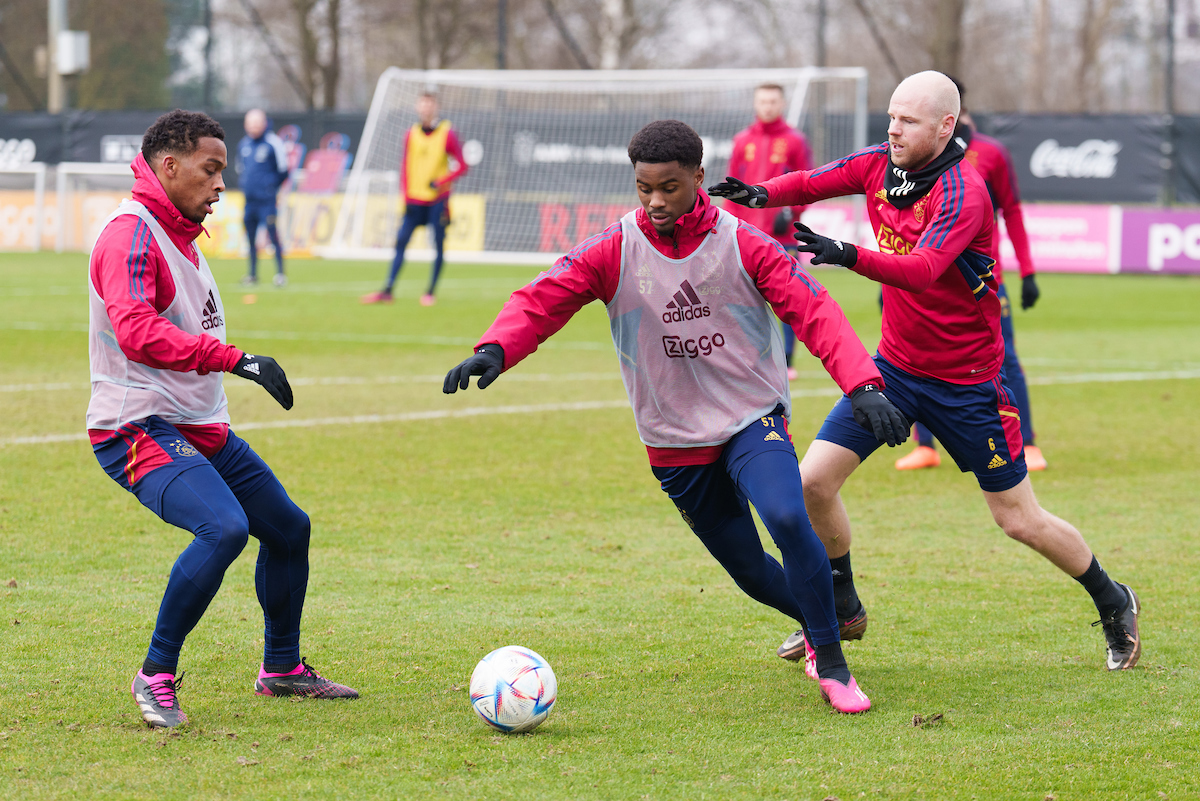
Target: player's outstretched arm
487, 363
266, 372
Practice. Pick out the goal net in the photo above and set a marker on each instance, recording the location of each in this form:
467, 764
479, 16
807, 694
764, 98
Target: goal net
546, 151
85, 194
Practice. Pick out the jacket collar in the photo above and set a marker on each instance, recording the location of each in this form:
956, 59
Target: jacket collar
776, 126
148, 191
701, 220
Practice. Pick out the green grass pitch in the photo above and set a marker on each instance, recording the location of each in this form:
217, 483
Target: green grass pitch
440, 535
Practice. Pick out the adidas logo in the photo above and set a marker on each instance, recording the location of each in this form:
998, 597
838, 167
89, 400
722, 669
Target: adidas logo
773, 437
252, 367
997, 461
209, 313
685, 306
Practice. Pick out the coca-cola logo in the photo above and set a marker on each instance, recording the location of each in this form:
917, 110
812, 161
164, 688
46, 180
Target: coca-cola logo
1093, 158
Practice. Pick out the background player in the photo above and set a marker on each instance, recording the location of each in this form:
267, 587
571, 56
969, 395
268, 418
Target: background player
994, 164
159, 422
941, 352
262, 168
425, 177
689, 291
767, 149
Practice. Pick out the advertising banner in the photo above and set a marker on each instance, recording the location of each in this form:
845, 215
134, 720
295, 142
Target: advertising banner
1067, 238
1086, 158
1160, 241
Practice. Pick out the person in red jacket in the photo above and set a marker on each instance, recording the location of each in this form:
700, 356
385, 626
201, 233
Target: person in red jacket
941, 352
159, 422
689, 291
767, 149
994, 164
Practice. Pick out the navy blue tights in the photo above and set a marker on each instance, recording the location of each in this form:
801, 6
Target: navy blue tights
223, 504
713, 499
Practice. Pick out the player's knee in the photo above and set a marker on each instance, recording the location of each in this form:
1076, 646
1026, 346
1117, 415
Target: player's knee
819, 490
784, 518
1017, 525
229, 531
299, 529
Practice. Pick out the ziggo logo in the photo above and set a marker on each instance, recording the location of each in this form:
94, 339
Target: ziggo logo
679, 348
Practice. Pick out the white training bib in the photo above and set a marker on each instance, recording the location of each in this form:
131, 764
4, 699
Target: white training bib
701, 354
124, 391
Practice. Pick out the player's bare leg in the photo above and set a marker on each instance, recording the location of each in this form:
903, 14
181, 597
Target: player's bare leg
824, 470
1019, 514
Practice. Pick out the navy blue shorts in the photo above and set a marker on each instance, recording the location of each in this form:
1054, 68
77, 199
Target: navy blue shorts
978, 424
707, 495
144, 457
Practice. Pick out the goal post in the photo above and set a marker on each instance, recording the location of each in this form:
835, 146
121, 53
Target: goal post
86, 193
546, 150
22, 205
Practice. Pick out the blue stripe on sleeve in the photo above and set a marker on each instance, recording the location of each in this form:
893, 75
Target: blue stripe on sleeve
952, 206
136, 261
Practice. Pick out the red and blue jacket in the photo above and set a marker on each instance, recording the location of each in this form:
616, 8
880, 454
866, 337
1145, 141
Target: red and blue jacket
941, 315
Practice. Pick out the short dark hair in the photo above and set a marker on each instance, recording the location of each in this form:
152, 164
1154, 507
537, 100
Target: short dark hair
179, 132
667, 140
774, 87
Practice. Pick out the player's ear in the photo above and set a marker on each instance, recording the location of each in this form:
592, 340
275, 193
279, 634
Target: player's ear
699, 177
170, 165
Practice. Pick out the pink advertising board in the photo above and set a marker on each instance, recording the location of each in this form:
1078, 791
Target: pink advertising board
1160, 241
1068, 238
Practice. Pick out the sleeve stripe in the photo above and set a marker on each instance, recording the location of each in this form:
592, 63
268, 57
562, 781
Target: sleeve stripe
136, 261
842, 162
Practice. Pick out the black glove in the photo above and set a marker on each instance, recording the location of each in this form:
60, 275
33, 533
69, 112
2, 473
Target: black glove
874, 412
824, 249
265, 371
740, 193
783, 221
1029, 292
487, 363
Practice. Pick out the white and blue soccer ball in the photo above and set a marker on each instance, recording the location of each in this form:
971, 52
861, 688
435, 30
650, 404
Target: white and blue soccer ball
513, 689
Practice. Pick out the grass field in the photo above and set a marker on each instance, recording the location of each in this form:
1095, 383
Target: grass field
442, 531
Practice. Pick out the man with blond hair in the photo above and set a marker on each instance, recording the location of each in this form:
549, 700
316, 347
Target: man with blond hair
941, 353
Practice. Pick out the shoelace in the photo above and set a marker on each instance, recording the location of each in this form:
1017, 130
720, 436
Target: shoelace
308, 672
1114, 626
169, 688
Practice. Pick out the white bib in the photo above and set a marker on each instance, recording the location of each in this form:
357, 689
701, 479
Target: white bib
701, 353
125, 391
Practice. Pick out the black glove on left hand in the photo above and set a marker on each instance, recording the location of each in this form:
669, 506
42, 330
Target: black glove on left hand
824, 249
487, 363
740, 192
1029, 292
874, 412
266, 372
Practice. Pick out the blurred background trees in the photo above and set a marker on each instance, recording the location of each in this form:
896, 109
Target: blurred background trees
1015, 55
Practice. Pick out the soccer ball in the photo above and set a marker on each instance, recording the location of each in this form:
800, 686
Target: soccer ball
513, 689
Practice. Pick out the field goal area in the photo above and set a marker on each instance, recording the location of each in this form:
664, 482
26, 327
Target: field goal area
546, 150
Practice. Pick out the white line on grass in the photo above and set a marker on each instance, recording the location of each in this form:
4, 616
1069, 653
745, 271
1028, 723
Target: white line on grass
476, 411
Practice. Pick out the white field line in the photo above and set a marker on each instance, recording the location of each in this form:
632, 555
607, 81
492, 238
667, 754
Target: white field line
477, 411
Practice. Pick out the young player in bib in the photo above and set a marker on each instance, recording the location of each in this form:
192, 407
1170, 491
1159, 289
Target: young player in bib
941, 352
159, 422
690, 292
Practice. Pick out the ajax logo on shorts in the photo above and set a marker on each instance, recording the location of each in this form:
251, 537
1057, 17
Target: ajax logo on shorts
686, 306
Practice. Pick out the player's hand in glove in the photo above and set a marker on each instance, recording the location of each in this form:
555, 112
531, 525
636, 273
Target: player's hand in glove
740, 192
265, 371
824, 249
783, 221
487, 363
1029, 292
874, 412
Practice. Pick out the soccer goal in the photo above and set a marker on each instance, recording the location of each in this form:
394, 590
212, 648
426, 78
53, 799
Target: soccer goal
546, 150
86, 193
22, 205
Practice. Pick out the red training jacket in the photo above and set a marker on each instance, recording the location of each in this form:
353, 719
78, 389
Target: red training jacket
592, 271
131, 276
764, 151
934, 325
993, 161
